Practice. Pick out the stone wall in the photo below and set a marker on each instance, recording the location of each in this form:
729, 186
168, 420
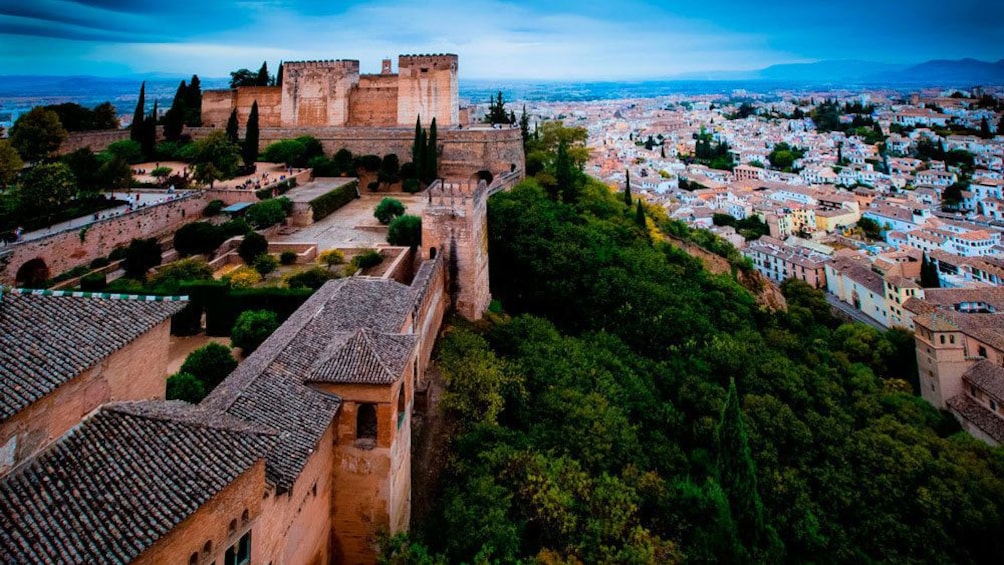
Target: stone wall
94, 140
210, 524
316, 93
428, 88
135, 372
64, 250
216, 107
374, 101
269, 100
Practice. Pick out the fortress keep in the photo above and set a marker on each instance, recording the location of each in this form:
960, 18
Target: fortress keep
334, 94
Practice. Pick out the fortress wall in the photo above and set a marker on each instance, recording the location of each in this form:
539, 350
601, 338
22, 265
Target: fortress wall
97, 140
66, 249
216, 107
269, 100
374, 101
316, 93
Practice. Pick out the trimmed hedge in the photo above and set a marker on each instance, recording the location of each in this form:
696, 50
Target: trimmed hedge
282, 188
324, 205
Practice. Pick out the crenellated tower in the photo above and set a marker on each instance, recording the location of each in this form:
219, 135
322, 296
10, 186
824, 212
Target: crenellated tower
428, 87
316, 93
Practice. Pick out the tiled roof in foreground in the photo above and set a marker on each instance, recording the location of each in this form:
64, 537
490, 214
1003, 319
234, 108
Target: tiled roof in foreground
46, 340
113, 486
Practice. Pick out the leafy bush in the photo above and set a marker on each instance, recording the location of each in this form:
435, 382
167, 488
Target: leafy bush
235, 227
100, 262
254, 244
198, 238
344, 163
210, 364
286, 151
367, 259
411, 185
266, 213
331, 257
191, 269
141, 256
405, 231
266, 264
388, 209
126, 149
213, 208
324, 205
252, 328
243, 277
373, 185
117, 254
287, 257
93, 282
185, 386
370, 162
313, 278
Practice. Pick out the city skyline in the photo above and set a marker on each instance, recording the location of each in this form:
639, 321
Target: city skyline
505, 40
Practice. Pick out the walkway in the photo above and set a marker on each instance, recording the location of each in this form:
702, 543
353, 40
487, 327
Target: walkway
852, 312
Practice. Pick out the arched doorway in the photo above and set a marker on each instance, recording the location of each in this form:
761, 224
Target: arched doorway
33, 273
483, 175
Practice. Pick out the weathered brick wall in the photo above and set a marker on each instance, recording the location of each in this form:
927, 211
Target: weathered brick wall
316, 93
135, 372
295, 527
211, 522
269, 100
374, 101
430, 283
64, 250
93, 140
216, 107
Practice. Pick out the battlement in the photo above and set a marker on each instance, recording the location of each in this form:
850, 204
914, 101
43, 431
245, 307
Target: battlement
441, 61
451, 194
352, 64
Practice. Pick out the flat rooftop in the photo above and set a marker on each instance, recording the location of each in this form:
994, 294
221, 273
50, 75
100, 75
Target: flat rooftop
317, 187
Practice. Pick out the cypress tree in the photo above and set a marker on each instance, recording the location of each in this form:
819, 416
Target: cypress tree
278, 75
524, 128
139, 116
736, 473
432, 153
174, 119
418, 150
262, 79
639, 214
627, 188
251, 137
233, 132
985, 129
564, 174
422, 167
148, 141
193, 102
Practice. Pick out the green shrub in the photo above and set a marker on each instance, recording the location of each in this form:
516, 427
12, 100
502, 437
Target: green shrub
388, 209
235, 227
185, 386
243, 277
93, 282
411, 186
343, 162
331, 257
324, 205
126, 149
252, 328
313, 278
198, 238
266, 213
117, 254
287, 257
141, 256
373, 185
266, 264
100, 262
191, 269
254, 244
210, 364
367, 259
405, 231
213, 208
370, 162
222, 309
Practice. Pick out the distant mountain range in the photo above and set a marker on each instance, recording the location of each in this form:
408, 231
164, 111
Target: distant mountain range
964, 72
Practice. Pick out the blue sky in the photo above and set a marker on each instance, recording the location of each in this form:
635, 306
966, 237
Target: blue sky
561, 39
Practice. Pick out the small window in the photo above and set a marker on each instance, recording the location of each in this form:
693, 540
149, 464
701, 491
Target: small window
232, 529
207, 548
244, 517
951, 338
366, 422
194, 559
993, 404
942, 339
983, 352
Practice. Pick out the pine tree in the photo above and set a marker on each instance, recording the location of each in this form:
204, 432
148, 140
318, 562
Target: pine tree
174, 119
233, 128
139, 116
193, 103
251, 137
263, 79
278, 75
929, 274
432, 153
639, 214
736, 473
627, 187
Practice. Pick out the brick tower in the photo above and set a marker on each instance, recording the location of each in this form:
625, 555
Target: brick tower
455, 223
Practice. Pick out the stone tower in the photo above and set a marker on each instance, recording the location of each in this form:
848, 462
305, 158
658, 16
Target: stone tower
385, 68
316, 93
455, 223
428, 87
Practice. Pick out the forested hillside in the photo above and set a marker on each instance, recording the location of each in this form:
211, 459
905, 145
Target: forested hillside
630, 407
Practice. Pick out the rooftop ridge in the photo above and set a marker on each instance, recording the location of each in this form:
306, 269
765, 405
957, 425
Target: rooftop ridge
103, 295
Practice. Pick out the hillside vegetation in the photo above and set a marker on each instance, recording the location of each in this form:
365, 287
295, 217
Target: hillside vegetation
638, 409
